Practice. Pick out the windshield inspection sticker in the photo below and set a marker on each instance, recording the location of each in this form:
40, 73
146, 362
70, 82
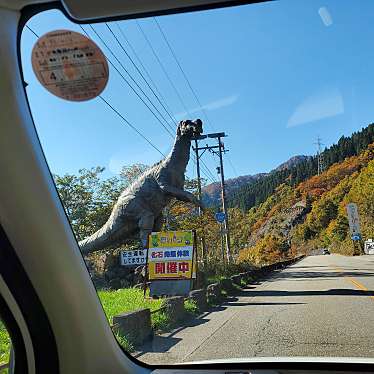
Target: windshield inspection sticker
70, 65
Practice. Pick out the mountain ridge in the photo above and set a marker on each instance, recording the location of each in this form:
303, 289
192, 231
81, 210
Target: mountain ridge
211, 193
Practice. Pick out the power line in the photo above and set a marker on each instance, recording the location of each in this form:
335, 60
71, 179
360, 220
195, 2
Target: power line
111, 107
163, 68
119, 114
188, 82
206, 170
138, 70
232, 166
30, 29
183, 72
132, 126
144, 68
128, 83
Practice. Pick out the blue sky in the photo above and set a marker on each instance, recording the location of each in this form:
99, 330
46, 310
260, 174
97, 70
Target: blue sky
273, 76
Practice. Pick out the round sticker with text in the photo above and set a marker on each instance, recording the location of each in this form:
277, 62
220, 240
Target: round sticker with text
70, 65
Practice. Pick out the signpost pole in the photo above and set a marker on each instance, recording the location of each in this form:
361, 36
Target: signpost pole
194, 236
354, 227
146, 269
222, 243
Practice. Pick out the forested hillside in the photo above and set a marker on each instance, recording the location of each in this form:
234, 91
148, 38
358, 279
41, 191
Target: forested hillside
312, 215
257, 192
211, 193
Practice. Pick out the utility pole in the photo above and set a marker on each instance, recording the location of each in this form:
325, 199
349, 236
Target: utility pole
221, 151
319, 156
223, 197
196, 149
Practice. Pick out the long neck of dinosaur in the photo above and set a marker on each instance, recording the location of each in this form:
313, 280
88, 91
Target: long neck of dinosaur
180, 154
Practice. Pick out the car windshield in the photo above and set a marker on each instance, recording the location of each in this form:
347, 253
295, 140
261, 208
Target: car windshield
217, 171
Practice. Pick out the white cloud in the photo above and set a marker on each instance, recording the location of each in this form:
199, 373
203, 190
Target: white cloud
325, 104
217, 104
325, 16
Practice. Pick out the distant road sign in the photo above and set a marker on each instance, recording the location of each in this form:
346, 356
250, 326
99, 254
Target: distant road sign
220, 217
353, 220
356, 237
369, 247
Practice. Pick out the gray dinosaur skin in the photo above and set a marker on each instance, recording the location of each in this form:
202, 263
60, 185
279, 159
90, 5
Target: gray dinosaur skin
138, 210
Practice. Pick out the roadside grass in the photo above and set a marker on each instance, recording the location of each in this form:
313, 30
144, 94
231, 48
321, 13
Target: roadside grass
214, 278
130, 299
126, 300
124, 342
4, 346
117, 302
191, 307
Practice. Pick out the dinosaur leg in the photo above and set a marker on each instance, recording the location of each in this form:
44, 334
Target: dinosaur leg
159, 221
146, 223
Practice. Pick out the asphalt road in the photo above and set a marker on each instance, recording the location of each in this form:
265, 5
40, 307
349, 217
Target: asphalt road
320, 306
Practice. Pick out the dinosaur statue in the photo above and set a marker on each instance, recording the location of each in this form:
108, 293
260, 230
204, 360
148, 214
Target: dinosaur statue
138, 210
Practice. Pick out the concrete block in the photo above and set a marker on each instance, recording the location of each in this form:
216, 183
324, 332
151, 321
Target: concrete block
236, 279
199, 297
213, 292
226, 284
174, 307
135, 326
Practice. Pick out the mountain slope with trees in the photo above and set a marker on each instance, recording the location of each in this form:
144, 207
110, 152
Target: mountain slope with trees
211, 193
255, 193
312, 215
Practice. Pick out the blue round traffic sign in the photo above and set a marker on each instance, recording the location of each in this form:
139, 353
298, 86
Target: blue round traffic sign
220, 217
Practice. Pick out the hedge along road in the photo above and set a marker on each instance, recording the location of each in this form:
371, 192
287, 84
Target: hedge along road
320, 306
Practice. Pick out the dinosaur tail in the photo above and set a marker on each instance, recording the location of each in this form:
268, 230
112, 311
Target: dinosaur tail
96, 241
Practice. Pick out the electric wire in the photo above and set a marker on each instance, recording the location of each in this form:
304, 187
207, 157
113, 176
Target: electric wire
189, 84
163, 68
144, 69
122, 117
182, 71
206, 169
31, 30
138, 70
119, 114
127, 82
204, 166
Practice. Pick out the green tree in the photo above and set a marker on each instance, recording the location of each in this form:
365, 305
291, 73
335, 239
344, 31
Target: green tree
88, 198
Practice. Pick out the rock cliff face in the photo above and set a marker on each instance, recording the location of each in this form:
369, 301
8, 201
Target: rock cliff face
280, 224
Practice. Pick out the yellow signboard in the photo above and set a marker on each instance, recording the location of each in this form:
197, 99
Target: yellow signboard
171, 239
170, 255
170, 270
